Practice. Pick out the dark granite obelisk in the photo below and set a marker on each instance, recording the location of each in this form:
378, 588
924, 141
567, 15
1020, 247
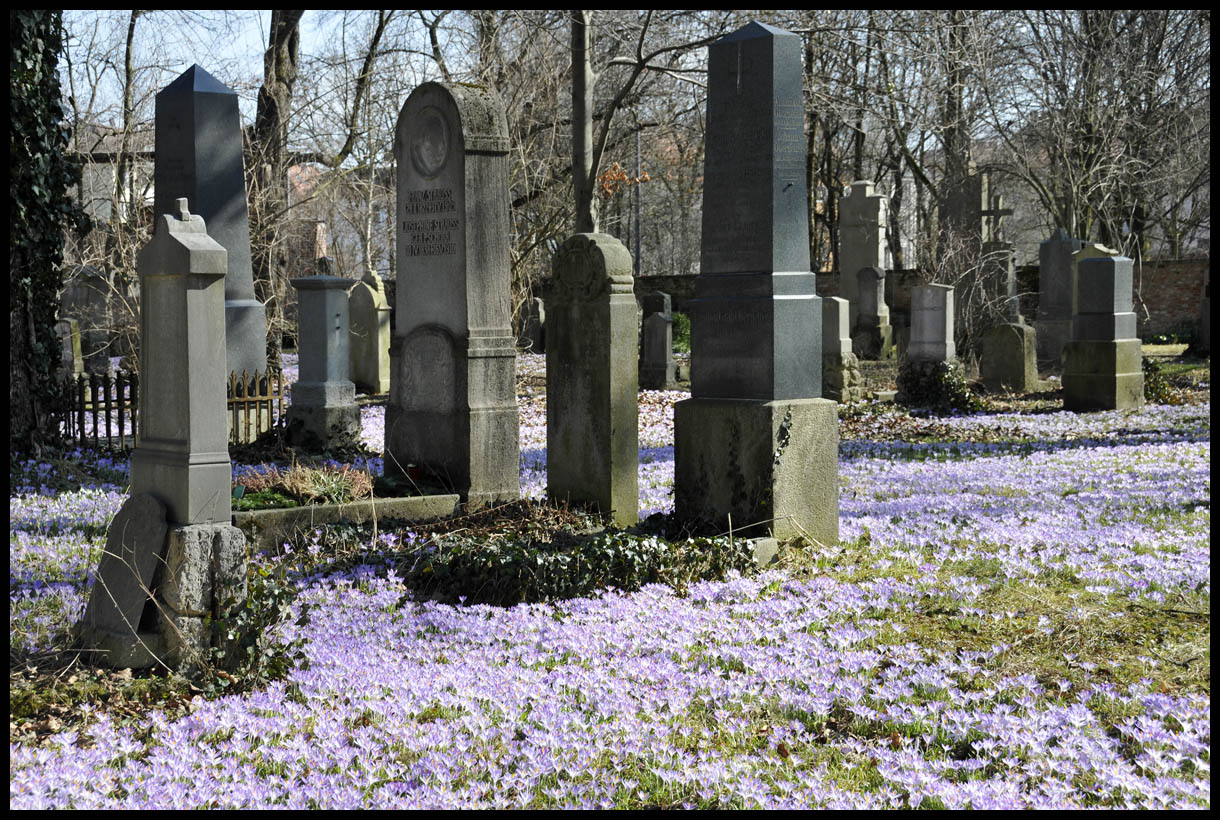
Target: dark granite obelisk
199, 157
755, 446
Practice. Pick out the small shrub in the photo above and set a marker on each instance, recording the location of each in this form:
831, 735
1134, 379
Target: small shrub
681, 331
301, 484
937, 386
1157, 389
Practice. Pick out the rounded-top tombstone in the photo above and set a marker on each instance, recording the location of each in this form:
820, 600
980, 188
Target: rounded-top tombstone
453, 408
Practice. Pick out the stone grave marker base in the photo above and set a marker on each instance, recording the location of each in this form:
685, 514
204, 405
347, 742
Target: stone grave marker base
771, 465
1099, 375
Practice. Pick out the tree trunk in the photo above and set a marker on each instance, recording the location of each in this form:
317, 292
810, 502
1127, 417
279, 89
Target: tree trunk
269, 195
582, 122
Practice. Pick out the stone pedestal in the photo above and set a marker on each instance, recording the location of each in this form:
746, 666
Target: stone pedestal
453, 401
1103, 364
323, 413
533, 327
591, 386
774, 467
1009, 360
1056, 296
369, 316
68, 333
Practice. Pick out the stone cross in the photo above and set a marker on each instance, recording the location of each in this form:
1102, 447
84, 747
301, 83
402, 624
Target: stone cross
199, 157
591, 386
755, 446
453, 403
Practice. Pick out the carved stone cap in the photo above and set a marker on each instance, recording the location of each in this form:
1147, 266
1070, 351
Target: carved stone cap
589, 265
181, 246
480, 112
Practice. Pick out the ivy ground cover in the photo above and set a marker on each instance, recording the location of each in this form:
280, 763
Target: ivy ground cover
1018, 615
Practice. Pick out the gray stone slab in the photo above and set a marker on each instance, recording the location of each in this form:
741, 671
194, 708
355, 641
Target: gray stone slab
199, 157
932, 324
1104, 285
1104, 326
181, 456
266, 529
657, 368
135, 545
591, 381
863, 223
453, 405
369, 345
772, 467
1009, 360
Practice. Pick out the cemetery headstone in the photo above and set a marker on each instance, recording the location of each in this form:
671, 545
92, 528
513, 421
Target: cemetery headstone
175, 564
1056, 296
657, 368
323, 414
68, 333
591, 387
199, 157
1009, 358
873, 337
932, 324
755, 446
533, 326
369, 316
86, 300
841, 377
1201, 344
863, 222
656, 302
1103, 364
453, 406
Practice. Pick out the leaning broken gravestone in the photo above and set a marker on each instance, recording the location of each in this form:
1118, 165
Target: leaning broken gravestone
452, 412
174, 566
756, 447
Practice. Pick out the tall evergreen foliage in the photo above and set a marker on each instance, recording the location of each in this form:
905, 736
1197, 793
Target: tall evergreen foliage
40, 174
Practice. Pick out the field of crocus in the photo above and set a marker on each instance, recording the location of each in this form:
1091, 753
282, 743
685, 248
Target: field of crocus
1017, 616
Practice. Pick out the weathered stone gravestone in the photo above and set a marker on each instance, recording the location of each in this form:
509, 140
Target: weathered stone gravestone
863, 222
932, 324
657, 368
872, 336
755, 446
930, 351
453, 404
841, 377
1103, 364
174, 565
199, 157
592, 412
1010, 359
533, 326
86, 301
1201, 344
369, 316
68, 333
323, 413
1056, 296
